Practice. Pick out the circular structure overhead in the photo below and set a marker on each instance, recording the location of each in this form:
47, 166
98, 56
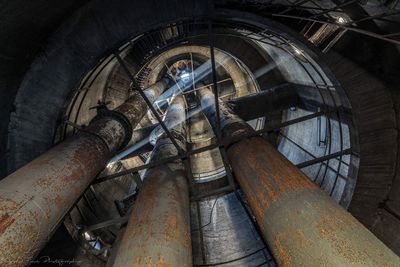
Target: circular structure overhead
323, 113
320, 111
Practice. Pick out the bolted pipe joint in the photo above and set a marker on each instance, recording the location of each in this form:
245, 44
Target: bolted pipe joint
113, 124
114, 127
232, 126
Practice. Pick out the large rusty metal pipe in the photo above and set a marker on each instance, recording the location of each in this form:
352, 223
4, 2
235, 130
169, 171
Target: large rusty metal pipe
301, 223
35, 198
158, 231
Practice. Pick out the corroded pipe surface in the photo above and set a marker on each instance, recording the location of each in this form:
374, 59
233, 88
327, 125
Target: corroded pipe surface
301, 223
237, 127
35, 198
158, 232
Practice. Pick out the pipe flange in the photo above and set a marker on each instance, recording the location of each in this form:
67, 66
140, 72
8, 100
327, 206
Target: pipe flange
104, 112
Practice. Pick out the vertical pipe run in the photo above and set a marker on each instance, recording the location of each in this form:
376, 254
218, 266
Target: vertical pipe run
237, 127
301, 223
35, 198
158, 231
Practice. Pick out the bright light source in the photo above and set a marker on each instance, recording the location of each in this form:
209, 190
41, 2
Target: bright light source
91, 240
87, 236
110, 165
185, 76
341, 20
96, 245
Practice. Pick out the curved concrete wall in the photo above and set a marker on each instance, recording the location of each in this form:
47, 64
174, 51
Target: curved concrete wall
89, 35
96, 29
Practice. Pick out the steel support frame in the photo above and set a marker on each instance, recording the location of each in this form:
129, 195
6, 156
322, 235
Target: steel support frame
212, 146
216, 99
181, 152
6, 222
345, 27
319, 11
323, 158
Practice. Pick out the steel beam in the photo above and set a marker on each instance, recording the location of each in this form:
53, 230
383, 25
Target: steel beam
342, 26
158, 231
323, 158
261, 103
302, 224
212, 146
35, 198
247, 108
153, 164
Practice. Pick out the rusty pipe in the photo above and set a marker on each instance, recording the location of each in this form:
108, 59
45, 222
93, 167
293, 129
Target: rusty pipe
35, 198
301, 223
237, 127
158, 231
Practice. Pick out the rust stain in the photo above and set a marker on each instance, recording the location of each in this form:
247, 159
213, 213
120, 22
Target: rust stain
5, 222
327, 227
160, 216
9, 205
284, 258
332, 228
137, 261
171, 227
18, 252
150, 262
264, 172
256, 205
59, 201
68, 167
300, 238
162, 263
34, 217
44, 183
265, 177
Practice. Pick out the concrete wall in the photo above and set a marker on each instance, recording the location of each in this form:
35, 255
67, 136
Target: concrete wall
88, 36
25, 27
